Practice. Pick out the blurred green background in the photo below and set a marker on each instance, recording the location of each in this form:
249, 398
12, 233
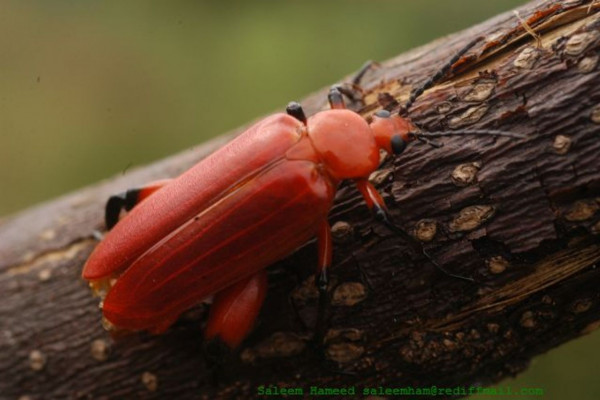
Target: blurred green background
89, 88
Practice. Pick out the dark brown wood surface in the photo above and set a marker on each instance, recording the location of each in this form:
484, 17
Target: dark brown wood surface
519, 216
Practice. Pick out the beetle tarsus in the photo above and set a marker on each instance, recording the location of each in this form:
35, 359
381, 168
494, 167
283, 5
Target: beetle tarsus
322, 285
217, 354
322, 311
444, 270
382, 216
362, 71
322, 280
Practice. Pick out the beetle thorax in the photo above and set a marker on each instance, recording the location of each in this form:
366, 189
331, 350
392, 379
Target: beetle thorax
344, 142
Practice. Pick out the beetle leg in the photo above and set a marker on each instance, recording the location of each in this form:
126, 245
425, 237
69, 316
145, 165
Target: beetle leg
354, 94
377, 206
362, 71
295, 110
353, 90
127, 200
322, 278
336, 101
234, 310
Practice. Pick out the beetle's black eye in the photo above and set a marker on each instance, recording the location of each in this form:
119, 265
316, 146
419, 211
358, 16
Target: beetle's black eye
398, 144
383, 114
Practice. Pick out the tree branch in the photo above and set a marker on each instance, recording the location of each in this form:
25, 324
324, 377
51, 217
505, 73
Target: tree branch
519, 216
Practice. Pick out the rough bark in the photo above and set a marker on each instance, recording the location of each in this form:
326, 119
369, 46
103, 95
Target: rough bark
520, 216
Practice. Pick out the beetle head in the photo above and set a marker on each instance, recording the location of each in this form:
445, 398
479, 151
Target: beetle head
392, 132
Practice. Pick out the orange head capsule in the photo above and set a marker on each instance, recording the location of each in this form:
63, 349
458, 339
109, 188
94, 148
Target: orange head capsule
392, 132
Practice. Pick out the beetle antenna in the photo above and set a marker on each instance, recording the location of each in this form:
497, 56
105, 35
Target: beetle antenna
421, 136
431, 143
441, 73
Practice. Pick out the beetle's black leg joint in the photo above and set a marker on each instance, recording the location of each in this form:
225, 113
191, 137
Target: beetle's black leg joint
114, 205
295, 110
131, 198
323, 281
380, 214
122, 201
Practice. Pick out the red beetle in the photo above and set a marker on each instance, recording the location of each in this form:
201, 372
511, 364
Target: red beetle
213, 230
